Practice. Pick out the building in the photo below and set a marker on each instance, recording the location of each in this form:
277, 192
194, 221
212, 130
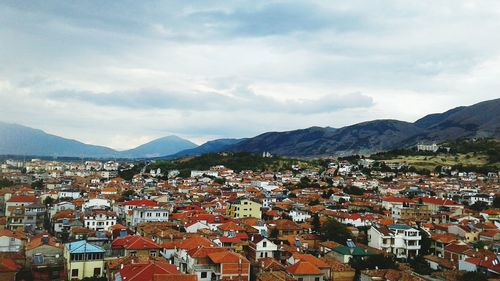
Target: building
135, 246
10, 241
34, 216
44, 256
18, 201
99, 219
146, 214
428, 147
401, 240
260, 247
83, 260
243, 208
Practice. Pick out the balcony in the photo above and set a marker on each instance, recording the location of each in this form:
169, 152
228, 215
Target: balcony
413, 238
47, 263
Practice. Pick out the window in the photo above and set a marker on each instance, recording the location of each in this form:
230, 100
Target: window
74, 273
204, 274
133, 253
264, 244
316, 279
152, 253
97, 271
300, 279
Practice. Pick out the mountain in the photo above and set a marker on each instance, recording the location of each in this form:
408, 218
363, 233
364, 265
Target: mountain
478, 120
208, 147
316, 141
159, 147
20, 140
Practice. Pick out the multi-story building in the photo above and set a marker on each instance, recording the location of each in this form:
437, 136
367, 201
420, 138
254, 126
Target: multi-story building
243, 208
260, 247
146, 214
34, 216
401, 240
83, 260
99, 219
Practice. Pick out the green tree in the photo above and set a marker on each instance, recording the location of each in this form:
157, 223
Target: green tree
316, 223
314, 202
37, 185
473, 276
335, 231
48, 200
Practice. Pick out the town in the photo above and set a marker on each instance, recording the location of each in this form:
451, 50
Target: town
335, 219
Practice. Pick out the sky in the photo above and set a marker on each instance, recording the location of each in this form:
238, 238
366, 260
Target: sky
121, 73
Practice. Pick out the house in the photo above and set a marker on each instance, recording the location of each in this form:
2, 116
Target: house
34, 216
242, 208
345, 253
286, 227
99, 219
9, 269
260, 247
10, 241
44, 257
148, 214
230, 265
324, 268
299, 216
304, 271
83, 260
18, 201
151, 270
70, 193
401, 240
135, 246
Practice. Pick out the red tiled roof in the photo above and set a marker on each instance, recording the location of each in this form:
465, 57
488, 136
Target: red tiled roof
146, 271
134, 242
23, 199
142, 202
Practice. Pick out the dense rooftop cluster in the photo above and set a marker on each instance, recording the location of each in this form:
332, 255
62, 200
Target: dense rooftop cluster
338, 220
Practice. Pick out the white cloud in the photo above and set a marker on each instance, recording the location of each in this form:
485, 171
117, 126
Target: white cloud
121, 74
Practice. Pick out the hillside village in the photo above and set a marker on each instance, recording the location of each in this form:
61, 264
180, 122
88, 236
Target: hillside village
345, 220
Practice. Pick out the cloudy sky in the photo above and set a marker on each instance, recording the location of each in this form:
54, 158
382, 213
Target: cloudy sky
120, 73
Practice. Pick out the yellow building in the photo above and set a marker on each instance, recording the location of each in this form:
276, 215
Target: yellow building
243, 208
83, 260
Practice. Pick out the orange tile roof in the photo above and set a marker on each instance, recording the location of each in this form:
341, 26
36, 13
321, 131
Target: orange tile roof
303, 268
227, 257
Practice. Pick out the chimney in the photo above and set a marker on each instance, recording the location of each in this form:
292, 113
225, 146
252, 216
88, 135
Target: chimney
45, 239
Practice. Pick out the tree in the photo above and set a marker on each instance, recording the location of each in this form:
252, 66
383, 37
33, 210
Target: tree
316, 223
37, 185
479, 206
314, 202
335, 231
5, 182
48, 200
372, 262
496, 202
473, 276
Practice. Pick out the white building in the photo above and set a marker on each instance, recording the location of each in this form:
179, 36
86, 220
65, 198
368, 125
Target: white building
9, 242
99, 219
210, 173
428, 147
70, 193
401, 240
299, 216
146, 214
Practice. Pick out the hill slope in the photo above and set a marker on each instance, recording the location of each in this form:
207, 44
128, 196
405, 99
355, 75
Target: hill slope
20, 140
159, 147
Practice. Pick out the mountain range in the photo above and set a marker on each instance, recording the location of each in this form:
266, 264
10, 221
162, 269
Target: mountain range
478, 120
21, 140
